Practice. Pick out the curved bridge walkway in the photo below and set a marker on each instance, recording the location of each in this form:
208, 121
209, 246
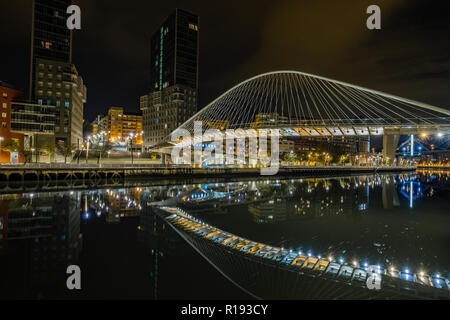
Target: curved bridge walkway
275, 273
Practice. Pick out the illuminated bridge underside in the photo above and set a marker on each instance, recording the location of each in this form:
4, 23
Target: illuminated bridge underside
310, 105
266, 279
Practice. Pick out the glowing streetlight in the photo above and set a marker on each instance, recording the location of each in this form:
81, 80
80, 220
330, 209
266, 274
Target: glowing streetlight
1, 139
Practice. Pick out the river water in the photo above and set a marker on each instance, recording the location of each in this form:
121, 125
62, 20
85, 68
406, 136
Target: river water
124, 251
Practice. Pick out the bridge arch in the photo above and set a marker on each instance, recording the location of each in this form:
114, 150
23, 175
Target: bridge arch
294, 98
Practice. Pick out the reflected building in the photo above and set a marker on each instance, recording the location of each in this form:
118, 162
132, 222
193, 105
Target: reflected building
160, 241
313, 198
44, 229
122, 203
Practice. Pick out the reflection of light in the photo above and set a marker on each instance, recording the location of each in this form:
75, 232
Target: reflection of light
411, 186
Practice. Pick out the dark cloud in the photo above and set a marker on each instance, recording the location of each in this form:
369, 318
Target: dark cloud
238, 39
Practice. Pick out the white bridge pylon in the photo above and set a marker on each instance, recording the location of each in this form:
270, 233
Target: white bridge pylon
302, 104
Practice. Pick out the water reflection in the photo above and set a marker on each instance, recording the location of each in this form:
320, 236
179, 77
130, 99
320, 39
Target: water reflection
388, 219
40, 237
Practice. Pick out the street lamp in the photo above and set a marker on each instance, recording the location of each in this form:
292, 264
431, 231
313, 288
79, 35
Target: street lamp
1, 139
87, 149
130, 138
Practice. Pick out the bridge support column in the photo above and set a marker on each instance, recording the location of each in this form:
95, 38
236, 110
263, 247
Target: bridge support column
390, 143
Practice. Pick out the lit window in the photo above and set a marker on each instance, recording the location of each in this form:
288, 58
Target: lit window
4, 115
4, 105
40, 101
5, 95
67, 104
46, 44
193, 27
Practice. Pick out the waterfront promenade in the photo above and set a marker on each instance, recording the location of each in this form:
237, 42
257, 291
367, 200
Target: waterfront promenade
51, 177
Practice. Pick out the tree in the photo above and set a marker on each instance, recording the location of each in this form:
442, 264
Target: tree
13, 145
87, 129
101, 150
49, 149
65, 150
344, 159
288, 157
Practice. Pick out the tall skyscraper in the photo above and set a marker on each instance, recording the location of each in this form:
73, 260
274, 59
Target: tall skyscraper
54, 80
51, 39
173, 76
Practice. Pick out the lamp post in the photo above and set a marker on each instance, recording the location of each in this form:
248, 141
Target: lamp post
87, 149
1, 139
131, 146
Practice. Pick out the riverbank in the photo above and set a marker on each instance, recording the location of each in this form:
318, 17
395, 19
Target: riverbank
69, 177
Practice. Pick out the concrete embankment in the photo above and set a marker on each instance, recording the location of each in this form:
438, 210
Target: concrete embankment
30, 178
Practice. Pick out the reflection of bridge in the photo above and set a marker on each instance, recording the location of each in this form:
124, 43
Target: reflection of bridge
269, 272
301, 104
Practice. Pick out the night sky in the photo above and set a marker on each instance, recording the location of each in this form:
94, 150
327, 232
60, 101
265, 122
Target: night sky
409, 56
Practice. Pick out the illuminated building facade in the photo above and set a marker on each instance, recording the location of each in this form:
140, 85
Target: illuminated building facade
122, 126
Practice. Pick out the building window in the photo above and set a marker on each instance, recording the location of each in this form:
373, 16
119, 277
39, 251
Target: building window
4, 105
46, 44
4, 115
40, 102
4, 125
58, 103
5, 95
67, 104
49, 102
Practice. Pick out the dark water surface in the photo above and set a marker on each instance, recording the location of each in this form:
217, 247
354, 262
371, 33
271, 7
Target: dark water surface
126, 252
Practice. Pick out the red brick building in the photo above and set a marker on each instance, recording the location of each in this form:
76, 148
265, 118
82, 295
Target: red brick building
7, 95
